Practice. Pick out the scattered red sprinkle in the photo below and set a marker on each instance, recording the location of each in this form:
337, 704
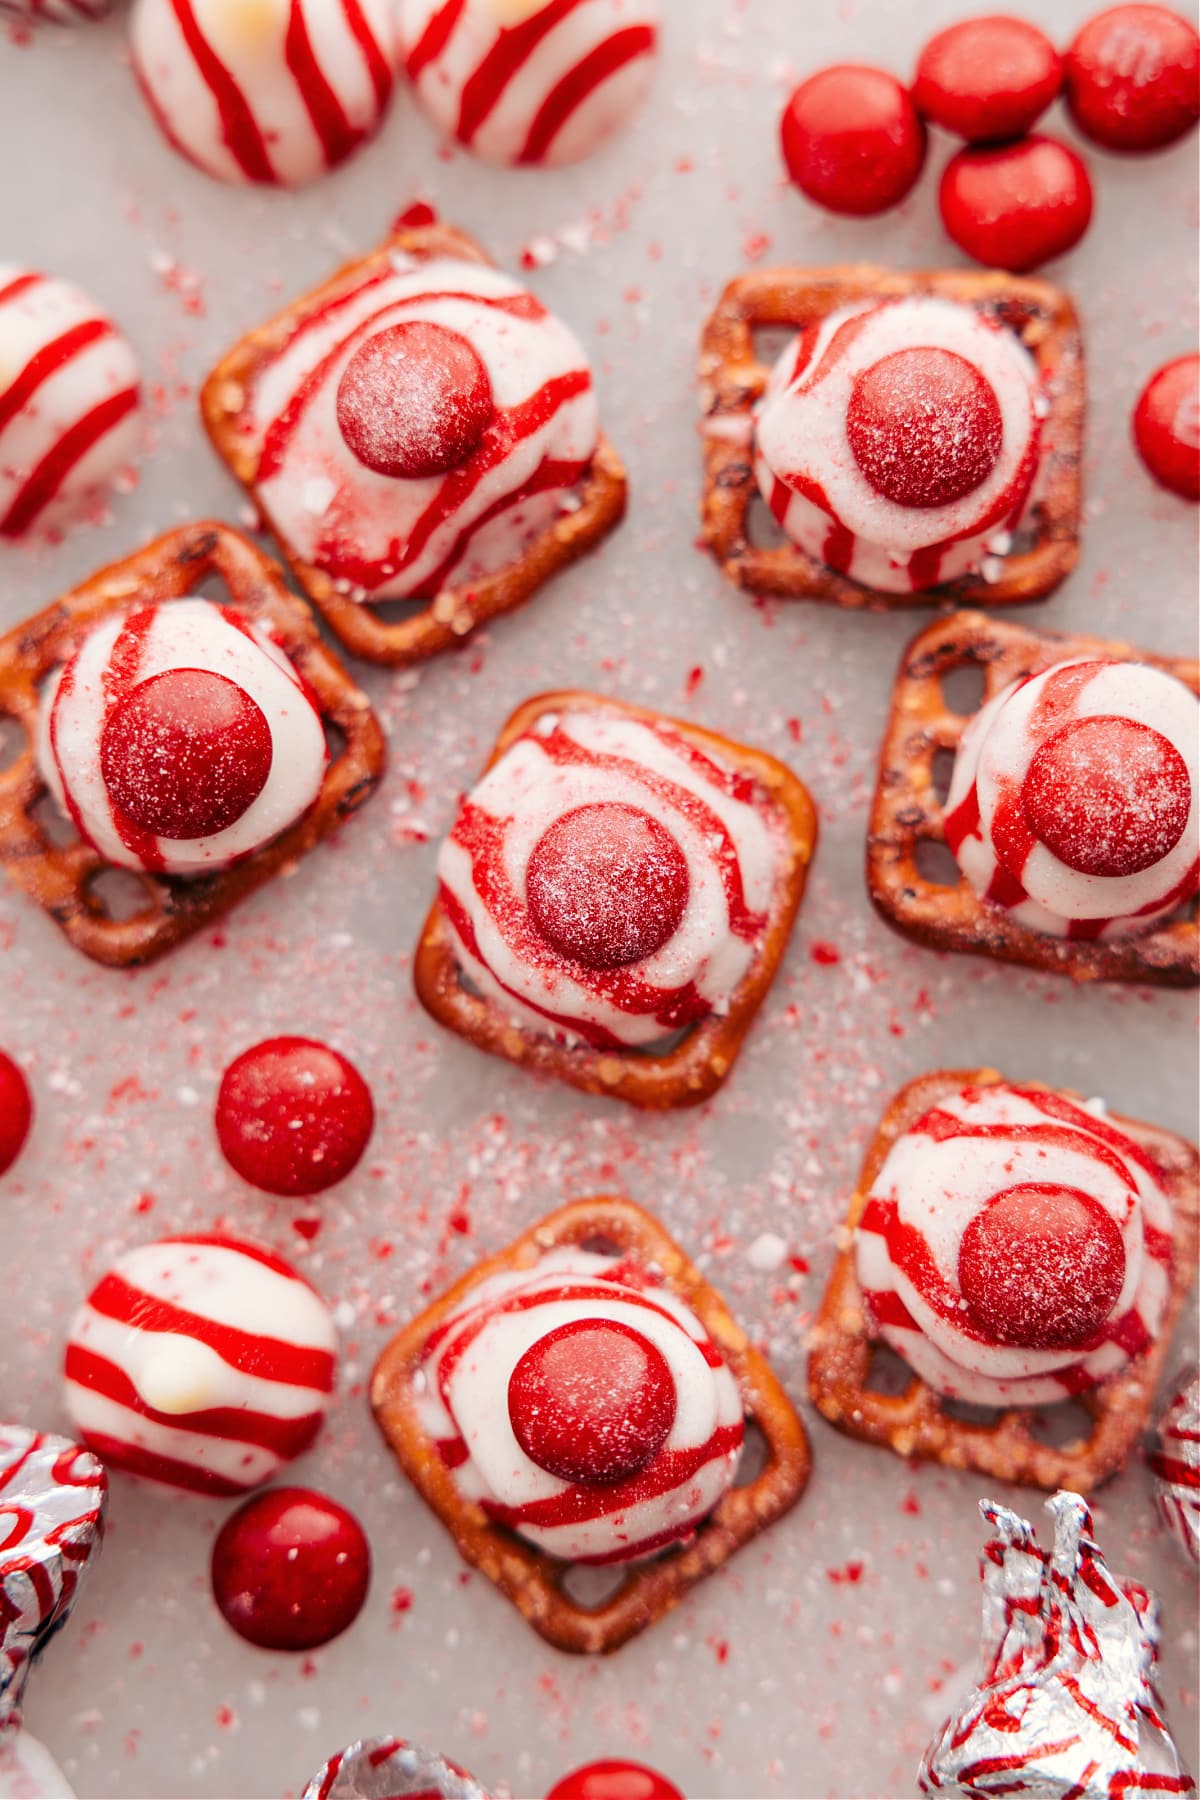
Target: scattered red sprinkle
850, 1575
694, 678
419, 213
402, 1600
824, 953
306, 1228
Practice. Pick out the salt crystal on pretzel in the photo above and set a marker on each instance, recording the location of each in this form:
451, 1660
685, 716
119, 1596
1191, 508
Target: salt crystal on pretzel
1175, 1462
390, 1769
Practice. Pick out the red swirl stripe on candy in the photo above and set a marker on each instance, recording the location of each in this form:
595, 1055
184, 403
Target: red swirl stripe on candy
581, 82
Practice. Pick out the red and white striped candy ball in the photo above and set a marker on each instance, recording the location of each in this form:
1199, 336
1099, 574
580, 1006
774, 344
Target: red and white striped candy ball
69, 390
55, 12
202, 1361
271, 91
530, 81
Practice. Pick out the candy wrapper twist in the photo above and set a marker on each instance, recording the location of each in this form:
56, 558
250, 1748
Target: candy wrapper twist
1176, 1465
390, 1769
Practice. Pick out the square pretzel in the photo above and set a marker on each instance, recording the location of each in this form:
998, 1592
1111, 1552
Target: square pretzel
919, 1423
534, 1581
449, 616
733, 381
907, 812
61, 878
693, 1069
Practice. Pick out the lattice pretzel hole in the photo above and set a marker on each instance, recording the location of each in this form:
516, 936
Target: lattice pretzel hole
120, 895
963, 689
935, 863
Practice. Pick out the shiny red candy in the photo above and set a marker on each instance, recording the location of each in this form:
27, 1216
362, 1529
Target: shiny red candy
852, 139
185, 754
16, 1112
1133, 77
612, 1780
414, 401
293, 1116
592, 1402
987, 78
1018, 205
1166, 426
1041, 1267
607, 885
924, 426
1107, 796
290, 1569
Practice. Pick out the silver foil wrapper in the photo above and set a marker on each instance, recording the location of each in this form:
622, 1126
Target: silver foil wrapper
1175, 1462
390, 1769
52, 1500
1065, 1708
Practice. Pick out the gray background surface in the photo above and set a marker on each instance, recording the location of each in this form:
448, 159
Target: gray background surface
783, 1676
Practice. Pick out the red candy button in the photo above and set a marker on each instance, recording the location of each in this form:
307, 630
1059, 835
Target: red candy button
593, 1402
1107, 796
987, 78
290, 1569
414, 401
1133, 77
16, 1112
612, 1780
852, 139
607, 885
185, 754
1018, 205
924, 426
293, 1116
1041, 1267
1166, 426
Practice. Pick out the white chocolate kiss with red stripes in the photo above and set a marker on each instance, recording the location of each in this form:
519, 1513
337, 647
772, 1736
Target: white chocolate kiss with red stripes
584, 1406
180, 739
1015, 1248
608, 881
68, 402
270, 91
530, 81
205, 1362
422, 429
1073, 803
897, 441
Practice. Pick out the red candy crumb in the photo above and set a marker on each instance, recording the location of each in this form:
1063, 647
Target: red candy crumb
16, 1112
185, 754
1018, 205
607, 885
293, 1116
1107, 796
825, 954
414, 401
592, 1402
613, 1780
924, 426
987, 78
1133, 77
1166, 426
290, 1569
1041, 1267
852, 139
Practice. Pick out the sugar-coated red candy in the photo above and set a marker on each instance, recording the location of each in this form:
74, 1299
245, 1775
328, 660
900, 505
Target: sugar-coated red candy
987, 78
1107, 796
1016, 206
293, 1116
1041, 1267
613, 1780
924, 426
16, 1112
592, 1402
414, 401
290, 1569
1166, 426
852, 139
607, 885
1132, 77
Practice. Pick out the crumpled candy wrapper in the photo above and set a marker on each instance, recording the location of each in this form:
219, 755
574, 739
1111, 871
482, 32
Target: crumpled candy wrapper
390, 1769
52, 1500
1176, 1465
1065, 1708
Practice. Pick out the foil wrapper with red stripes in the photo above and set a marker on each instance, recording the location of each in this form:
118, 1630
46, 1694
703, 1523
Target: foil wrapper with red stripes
390, 1769
1066, 1704
1175, 1462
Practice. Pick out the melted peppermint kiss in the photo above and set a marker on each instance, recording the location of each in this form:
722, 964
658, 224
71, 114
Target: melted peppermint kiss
592, 1402
924, 426
1041, 1267
414, 401
293, 1116
290, 1569
607, 885
1108, 796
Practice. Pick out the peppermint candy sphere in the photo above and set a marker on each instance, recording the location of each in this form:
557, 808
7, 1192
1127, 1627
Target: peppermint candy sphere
69, 392
1015, 1248
583, 1406
530, 81
421, 430
202, 1361
1073, 803
1175, 1462
897, 440
269, 91
180, 739
607, 881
